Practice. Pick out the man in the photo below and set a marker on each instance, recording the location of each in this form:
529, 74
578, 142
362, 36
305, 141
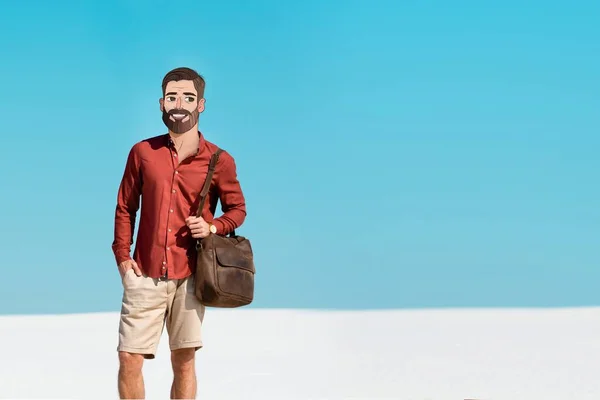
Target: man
167, 173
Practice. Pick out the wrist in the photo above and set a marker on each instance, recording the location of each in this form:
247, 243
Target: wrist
121, 258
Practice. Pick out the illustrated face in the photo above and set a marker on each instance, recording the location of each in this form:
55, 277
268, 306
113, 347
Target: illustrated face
180, 106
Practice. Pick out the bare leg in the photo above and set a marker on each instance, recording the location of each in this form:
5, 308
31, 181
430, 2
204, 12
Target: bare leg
131, 381
184, 374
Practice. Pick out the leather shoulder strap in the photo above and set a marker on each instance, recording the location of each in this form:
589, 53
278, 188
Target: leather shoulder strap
211, 170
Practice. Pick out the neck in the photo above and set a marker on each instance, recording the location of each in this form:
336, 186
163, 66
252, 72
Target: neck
187, 135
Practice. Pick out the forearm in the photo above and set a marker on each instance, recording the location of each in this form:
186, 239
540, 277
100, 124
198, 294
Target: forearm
233, 203
128, 202
230, 221
123, 234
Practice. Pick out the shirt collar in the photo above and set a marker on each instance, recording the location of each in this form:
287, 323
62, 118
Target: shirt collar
171, 145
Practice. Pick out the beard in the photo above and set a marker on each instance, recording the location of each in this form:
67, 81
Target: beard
180, 125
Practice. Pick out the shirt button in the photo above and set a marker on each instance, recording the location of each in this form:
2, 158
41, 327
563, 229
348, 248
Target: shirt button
164, 263
176, 172
169, 229
171, 210
168, 248
174, 191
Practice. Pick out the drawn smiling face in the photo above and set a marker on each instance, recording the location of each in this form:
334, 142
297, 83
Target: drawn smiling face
180, 106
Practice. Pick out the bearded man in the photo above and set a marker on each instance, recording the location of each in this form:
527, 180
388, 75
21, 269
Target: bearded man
166, 174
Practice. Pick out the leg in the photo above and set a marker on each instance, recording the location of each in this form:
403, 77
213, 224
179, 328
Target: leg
142, 320
184, 374
131, 382
184, 325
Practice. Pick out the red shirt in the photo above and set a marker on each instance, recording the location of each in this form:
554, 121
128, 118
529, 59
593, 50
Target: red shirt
170, 193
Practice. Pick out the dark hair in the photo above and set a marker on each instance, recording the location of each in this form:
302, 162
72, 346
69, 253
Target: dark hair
184, 73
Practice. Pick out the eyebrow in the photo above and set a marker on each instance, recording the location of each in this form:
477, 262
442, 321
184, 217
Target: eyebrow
186, 93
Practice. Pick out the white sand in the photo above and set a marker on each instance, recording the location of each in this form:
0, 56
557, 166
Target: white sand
487, 354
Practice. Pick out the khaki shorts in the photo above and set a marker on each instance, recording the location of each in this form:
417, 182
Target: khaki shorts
149, 304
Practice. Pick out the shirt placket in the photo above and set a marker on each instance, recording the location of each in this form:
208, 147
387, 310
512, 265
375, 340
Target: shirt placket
167, 263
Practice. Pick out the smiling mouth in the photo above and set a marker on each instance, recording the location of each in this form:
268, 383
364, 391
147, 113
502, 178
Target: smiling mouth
179, 117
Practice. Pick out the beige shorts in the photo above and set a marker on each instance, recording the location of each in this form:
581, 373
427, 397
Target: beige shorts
149, 304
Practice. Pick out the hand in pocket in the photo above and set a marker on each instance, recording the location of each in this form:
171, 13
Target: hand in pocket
126, 266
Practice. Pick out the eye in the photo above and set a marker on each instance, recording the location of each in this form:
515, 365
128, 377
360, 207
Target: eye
171, 98
190, 99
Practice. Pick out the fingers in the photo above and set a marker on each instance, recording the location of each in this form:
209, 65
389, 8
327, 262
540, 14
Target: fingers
136, 269
127, 265
192, 220
198, 227
200, 232
197, 233
124, 266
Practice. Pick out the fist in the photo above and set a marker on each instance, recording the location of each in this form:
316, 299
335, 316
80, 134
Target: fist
198, 226
127, 265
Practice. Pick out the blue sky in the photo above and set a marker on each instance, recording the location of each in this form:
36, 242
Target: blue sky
393, 153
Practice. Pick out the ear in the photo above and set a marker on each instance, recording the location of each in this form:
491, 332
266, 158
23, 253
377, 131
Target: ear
201, 105
161, 101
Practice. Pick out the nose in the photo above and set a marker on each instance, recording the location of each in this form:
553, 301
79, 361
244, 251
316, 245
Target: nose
178, 103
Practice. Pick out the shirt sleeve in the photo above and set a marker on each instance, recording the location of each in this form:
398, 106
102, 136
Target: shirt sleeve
128, 203
233, 203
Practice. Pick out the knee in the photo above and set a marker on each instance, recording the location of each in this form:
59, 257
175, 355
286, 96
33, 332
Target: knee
183, 359
129, 362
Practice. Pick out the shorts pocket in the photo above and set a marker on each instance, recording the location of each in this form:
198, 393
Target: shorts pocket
125, 276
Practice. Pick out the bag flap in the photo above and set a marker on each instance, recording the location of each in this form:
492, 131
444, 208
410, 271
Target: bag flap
233, 257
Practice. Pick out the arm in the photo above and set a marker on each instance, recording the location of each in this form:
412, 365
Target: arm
231, 196
128, 202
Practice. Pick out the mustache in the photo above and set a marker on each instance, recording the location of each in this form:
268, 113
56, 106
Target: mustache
179, 111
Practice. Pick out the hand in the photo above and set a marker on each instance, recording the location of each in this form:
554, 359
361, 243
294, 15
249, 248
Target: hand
198, 226
127, 265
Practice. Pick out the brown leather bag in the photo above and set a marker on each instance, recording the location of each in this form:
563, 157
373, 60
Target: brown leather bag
225, 270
